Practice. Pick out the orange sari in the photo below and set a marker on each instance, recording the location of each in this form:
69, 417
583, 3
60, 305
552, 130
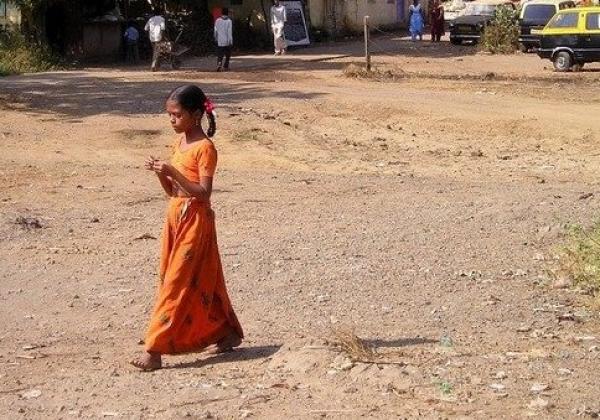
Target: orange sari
192, 309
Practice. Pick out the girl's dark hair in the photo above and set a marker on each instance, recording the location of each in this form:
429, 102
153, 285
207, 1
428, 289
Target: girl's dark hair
192, 99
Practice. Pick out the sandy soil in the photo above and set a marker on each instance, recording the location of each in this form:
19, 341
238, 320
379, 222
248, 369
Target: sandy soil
422, 213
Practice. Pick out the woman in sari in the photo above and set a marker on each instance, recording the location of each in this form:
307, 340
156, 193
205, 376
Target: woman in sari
192, 309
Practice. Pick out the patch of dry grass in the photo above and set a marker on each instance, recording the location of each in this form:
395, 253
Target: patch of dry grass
359, 71
579, 259
355, 348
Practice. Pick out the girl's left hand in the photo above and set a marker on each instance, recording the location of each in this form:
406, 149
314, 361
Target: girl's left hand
161, 167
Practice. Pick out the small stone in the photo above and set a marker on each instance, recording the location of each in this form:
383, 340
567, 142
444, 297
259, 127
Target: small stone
342, 363
30, 347
32, 393
520, 273
537, 388
500, 375
583, 338
524, 329
563, 282
323, 298
498, 387
539, 404
564, 371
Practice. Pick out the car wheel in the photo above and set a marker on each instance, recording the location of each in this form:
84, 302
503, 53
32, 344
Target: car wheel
563, 61
455, 41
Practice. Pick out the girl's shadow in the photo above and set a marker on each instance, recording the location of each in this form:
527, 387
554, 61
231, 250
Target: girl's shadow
240, 354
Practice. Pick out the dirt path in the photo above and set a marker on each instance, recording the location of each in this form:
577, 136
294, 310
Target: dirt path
421, 213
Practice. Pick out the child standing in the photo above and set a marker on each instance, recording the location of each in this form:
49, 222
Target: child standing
132, 36
192, 309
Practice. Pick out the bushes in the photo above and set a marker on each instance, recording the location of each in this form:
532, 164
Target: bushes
17, 55
501, 36
579, 259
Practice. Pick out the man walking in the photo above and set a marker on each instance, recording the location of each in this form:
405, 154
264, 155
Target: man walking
156, 28
224, 39
278, 19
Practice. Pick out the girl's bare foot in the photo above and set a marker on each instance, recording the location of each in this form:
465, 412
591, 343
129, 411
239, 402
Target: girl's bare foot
149, 361
226, 344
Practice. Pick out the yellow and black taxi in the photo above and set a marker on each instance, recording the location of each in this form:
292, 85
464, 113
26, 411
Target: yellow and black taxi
572, 38
534, 15
477, 15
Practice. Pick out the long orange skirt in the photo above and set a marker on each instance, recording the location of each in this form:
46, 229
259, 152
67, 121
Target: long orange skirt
192, 309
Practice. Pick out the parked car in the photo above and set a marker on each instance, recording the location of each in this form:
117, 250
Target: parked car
535, 14
572, 38
453, 9
477, 15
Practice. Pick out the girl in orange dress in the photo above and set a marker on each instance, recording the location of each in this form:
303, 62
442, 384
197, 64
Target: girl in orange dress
192, 309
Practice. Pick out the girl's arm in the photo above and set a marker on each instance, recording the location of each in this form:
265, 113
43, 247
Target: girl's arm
200, 190
165, 181
169, 174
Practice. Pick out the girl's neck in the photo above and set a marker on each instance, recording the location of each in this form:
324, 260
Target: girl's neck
194, 134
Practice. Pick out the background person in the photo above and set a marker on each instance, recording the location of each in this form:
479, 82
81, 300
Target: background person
278, 19
156, 27
436, 16
417, 21
224, 39
132, 37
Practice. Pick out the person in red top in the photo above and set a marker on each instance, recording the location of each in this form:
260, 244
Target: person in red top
436, 18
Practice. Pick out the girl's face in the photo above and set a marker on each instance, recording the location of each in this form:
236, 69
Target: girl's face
181, 119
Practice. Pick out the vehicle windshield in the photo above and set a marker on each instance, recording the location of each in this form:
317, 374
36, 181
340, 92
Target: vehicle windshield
538, 13
564, 20
480, 9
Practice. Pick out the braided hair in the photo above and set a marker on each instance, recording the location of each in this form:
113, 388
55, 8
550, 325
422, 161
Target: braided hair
192, 99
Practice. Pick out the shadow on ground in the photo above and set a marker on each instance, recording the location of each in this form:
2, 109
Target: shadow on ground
240, 354
73, 95
400, 342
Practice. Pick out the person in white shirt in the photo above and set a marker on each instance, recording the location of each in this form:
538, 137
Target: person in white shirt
278, 19
155, 27
224, 39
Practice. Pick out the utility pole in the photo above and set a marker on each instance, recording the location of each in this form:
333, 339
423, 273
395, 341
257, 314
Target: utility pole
367, 53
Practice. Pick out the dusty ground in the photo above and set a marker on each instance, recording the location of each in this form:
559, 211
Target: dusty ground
420, 212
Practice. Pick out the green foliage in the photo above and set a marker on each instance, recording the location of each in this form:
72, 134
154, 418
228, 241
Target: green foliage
446, 388
501, 36
17, 55
579, 259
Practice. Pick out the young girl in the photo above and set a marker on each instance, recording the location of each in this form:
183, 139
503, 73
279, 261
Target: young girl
192, 309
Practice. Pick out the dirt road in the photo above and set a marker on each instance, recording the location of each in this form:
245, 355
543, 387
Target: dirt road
422, 213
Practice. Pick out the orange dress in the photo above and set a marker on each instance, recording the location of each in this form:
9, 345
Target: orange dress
192, 309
